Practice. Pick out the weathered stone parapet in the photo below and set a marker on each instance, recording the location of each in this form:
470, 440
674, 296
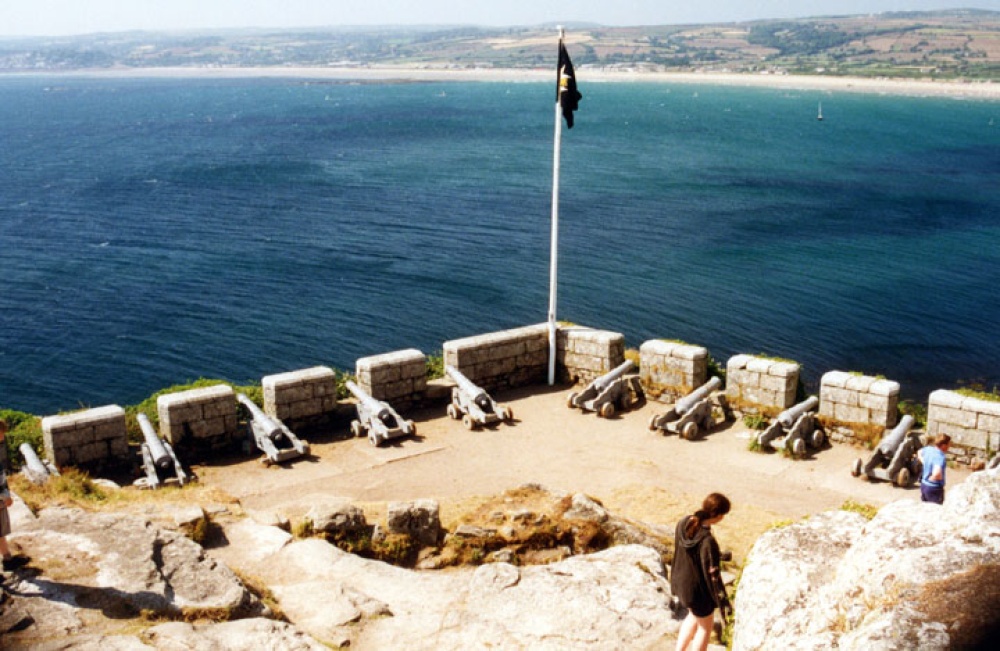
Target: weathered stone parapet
306, 395
93, 439
851, 398
972, 423
761, 382
399, 378
204, 417
501, 360
670, 369
584, 353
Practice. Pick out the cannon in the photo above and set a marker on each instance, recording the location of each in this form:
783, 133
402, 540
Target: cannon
612, 388
691, 415
895, 459
377, 419
472, 404
158, 457
36, 470
794, 429
270, 435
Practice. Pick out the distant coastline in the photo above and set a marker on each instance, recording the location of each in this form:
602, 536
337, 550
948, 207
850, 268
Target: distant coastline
987, 90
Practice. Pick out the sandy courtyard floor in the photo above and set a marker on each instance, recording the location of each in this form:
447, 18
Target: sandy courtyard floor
634, 472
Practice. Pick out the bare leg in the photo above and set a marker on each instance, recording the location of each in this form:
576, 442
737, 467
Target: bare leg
687, 631
4, 549
703, 632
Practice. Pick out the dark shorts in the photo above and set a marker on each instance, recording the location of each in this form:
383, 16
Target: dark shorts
700, 607
933, 494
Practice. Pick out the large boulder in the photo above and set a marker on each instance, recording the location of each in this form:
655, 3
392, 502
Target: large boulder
620, 594
917, 575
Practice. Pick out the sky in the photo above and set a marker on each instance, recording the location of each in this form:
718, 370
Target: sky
63, 17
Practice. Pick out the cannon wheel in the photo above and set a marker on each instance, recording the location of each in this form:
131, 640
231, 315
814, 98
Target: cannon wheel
652, 423
468, 422
356, 429
571, 400
799, 448
508, 413
817, 438
373, 439
856, 468
903, 477
689, 431
607, 410
412, 426
453, 412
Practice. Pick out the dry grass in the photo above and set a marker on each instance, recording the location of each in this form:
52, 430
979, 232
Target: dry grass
75, 488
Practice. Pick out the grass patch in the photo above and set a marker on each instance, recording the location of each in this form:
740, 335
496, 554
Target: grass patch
980, 393
755, 421
866, 510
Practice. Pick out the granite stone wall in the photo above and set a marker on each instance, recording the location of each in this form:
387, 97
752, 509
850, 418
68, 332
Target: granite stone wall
307, 396
93, 439
670, 370
972, 423
761, 382
199, 417
398, 378
585, 353
502, 360
851, 398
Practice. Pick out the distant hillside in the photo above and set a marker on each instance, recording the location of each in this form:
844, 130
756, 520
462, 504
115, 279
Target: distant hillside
939, 45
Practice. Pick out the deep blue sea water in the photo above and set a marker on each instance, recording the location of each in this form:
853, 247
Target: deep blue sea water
157, 231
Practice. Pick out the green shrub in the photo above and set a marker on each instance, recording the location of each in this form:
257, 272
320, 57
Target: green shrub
22, 428
435, 366
915, 409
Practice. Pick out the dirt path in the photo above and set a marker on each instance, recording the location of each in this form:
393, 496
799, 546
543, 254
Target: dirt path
634, 472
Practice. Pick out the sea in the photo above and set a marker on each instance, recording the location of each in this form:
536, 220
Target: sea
154, 231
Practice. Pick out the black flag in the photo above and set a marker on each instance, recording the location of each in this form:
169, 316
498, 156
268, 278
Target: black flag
566, 92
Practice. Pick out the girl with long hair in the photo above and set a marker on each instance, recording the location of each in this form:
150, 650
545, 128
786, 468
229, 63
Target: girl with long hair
695, 577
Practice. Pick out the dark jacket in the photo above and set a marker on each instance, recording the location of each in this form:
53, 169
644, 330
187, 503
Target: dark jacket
694, 573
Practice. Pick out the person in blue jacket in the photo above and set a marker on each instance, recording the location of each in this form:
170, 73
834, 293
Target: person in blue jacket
934, 460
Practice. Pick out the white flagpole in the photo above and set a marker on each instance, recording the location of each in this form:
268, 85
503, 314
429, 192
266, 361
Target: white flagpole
554, 245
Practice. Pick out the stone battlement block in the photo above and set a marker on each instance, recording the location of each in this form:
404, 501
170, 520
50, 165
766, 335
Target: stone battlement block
669, 369
761, 381
395, 375
859, 399
203, 413
94, 438
306, 393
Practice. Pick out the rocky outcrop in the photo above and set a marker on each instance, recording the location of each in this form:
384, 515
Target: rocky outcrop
916, 576
620, 594
119, 565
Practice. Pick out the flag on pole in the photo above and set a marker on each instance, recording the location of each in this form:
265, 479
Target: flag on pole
566, 92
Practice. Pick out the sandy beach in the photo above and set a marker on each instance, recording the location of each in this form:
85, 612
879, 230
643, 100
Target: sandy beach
984, 90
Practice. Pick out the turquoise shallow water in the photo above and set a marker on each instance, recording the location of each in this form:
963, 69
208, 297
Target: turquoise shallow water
156, 231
